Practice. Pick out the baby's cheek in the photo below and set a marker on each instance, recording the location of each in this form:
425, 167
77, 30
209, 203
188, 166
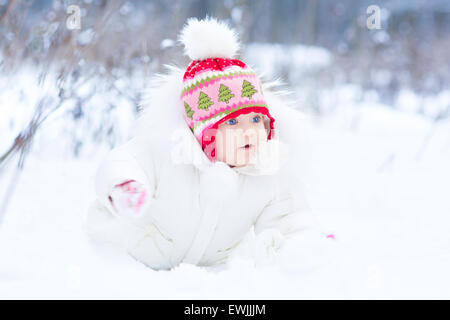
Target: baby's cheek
219, 147
262, 133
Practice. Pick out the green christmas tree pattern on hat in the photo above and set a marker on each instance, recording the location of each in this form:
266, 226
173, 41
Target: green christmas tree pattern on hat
189, 111
204, 101
225, 93
248, 90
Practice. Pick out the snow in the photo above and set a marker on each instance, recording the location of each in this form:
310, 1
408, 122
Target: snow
379, 181
86, 37
167, 43
272, 58
385, 200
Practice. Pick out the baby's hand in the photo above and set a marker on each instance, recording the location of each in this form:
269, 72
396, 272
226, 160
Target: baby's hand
128, 198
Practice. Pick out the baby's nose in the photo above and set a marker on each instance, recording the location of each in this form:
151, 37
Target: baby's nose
249, 135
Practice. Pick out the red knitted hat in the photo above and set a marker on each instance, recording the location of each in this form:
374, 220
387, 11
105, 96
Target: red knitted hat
216, 86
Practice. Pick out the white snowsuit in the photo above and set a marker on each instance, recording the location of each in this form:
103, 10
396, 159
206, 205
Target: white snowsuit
199, 211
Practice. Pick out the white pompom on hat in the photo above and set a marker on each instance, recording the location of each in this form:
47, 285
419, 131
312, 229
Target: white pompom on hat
208, 38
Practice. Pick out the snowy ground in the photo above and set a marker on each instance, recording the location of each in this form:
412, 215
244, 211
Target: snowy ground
374, 183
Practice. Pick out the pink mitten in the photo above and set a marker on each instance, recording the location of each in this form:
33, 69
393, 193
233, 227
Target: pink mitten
128, 198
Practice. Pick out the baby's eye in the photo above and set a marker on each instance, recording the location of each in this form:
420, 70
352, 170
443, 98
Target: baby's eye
256, 119
232, 121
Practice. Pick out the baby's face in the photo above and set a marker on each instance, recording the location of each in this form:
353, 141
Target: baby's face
238, 139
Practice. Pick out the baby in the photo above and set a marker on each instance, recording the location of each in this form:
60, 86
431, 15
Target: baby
206, 177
